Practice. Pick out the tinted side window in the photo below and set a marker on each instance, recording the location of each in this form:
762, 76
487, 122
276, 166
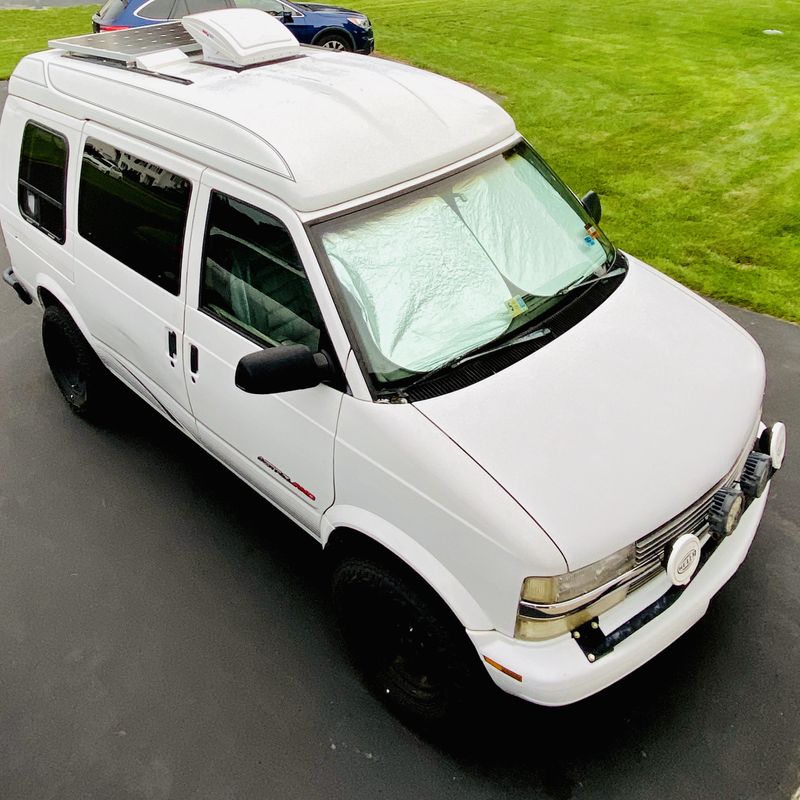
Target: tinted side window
42, 178
270, 6
110, 11
197, 6
135, 211
157, 9
184, 7
253, 277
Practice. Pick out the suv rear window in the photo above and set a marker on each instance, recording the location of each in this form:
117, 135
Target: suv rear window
157, 9
111, 10
135, 211
42, 178
184, 7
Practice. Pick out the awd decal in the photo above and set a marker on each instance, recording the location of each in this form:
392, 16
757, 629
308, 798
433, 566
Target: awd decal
288, 480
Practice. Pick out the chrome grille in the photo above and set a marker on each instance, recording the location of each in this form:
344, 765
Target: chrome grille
650, 549
653, 545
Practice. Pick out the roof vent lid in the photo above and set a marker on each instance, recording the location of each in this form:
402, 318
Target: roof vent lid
240, 37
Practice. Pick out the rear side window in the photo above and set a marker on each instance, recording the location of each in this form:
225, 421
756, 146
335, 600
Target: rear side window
157, 9
135, 211
184, 7
253, 278
111, 10
42, 180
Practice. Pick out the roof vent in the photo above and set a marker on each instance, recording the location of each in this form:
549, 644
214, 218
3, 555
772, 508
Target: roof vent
241, 37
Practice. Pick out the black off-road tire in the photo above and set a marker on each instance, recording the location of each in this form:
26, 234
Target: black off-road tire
410, 648
78, 372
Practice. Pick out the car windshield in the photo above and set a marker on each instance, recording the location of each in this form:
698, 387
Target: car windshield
450, 267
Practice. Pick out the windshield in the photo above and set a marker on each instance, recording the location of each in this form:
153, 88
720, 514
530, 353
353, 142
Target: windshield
452, 266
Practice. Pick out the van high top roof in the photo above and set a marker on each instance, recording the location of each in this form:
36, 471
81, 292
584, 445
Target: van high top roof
316, 128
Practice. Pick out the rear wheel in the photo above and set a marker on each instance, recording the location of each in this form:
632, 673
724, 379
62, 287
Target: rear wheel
78, 372
334, 41
413, 653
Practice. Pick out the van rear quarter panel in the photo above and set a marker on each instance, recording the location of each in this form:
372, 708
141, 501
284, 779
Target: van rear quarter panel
37, 259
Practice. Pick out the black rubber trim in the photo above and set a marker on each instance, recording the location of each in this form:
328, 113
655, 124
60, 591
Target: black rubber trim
11, 279
563, 317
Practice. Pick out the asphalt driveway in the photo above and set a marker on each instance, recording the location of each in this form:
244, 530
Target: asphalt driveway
164, 633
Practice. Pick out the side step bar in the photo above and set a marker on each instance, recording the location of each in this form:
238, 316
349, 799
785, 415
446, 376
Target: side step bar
11, 279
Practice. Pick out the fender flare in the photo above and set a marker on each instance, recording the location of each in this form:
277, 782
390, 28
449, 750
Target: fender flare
46, 282
404, 547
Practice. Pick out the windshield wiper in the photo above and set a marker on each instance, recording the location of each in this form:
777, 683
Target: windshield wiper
523, 337
586, 281
477, 352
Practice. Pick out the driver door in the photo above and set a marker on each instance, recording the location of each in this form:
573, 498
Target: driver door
250, 290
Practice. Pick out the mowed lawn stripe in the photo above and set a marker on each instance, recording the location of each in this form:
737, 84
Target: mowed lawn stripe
683, 116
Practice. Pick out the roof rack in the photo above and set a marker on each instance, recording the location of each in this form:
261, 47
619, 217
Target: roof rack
234, 37
128, 46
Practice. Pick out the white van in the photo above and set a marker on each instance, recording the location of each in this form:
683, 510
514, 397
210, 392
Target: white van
526, 454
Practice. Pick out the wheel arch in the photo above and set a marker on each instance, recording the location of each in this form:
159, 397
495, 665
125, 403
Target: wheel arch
352, 530
50, 293
335, 29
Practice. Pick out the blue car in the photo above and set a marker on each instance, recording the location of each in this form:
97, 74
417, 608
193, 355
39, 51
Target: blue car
312, 23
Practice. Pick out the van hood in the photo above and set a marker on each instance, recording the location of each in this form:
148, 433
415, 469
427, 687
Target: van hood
619, 424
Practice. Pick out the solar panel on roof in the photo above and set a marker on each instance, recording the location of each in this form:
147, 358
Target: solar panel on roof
128, 45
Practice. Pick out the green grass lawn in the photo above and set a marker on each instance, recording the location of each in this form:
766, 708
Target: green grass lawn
684, 116
23, 31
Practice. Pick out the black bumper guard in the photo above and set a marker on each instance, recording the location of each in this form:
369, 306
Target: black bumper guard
595, 644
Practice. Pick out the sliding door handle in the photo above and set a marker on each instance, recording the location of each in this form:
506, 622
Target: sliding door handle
172, 343
193, 359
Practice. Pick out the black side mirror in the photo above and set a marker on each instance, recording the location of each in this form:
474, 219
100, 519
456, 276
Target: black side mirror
591, 202
287, 17
282, 369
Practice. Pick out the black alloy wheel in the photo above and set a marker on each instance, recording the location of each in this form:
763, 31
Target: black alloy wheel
413, 653
78, 373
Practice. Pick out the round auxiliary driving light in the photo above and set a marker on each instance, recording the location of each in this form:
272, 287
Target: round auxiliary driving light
773, 441
727, 507
756, 474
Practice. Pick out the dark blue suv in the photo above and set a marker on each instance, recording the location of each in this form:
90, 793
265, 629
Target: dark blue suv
312, 23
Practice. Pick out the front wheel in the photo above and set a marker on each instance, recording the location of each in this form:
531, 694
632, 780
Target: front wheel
413, 653
334, 41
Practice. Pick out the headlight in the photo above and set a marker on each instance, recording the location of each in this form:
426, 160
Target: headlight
554, 605
572, 584
362, 22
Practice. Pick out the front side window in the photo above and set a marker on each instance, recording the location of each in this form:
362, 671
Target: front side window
42, 180
135, 211
450, 267
253, 278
